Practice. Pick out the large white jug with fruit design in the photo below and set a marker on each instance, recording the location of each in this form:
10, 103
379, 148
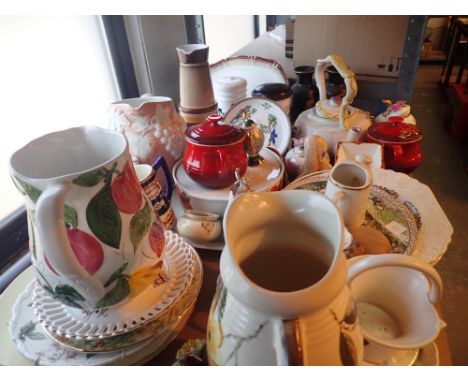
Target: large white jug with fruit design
94, 238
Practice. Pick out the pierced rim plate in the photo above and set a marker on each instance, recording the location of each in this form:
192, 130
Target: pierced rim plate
125, 324
270, 118
436, 231
385, 212
33, 342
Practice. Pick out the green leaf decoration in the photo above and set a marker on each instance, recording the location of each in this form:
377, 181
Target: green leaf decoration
222, 302
32, 236
115, 295
71, 217
48, 289
91, 178
68, 291
117, 274
15, 182
104, 218
31, 191
47, 285
37, 336
27, 329
140, 225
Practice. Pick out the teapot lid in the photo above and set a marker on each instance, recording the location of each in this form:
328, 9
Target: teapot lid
329, 108
214, 132
275, 91
395, 131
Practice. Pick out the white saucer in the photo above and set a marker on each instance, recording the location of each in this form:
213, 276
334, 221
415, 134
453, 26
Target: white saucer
426, 356
33, 342
126, 324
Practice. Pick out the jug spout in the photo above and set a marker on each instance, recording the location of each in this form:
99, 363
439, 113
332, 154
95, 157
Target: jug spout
192, 53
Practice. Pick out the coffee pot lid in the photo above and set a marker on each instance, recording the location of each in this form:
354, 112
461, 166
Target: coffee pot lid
214, 132
395, 131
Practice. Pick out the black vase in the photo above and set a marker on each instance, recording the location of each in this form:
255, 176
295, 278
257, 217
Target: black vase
335, 84
305, 93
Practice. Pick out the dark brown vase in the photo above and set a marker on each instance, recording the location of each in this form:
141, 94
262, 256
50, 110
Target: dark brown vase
334, 83
305, 93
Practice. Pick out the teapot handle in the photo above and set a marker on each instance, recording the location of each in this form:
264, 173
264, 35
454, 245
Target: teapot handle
348, 76
51, 227
398, 260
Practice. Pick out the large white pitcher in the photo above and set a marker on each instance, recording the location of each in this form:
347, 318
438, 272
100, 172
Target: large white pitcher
94, 238
274, 307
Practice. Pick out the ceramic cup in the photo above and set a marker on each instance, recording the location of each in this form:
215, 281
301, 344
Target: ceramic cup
395, 301
348, 186
94, 239
199, 226
160, 200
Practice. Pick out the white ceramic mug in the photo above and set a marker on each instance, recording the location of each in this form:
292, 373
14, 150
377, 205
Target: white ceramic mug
94, 238
348, 186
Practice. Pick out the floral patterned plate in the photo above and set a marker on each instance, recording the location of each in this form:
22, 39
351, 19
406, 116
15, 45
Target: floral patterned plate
33, 342
129, 323
269, 117
385, 212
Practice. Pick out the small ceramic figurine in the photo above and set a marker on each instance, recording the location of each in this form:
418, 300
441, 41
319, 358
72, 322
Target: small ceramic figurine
396, 109
254, 140
308, 155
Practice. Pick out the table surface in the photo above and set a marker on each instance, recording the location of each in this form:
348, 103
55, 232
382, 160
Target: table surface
196, 326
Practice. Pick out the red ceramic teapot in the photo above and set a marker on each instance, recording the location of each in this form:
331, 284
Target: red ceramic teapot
401, 142
213, 151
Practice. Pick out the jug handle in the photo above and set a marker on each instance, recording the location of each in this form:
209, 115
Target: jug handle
51, 227
398, 260
287, 343
161, 162
349, 79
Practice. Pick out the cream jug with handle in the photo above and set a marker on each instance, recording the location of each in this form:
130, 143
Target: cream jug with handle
282, 297
94, 239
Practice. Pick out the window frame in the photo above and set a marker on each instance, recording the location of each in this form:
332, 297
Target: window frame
14, 239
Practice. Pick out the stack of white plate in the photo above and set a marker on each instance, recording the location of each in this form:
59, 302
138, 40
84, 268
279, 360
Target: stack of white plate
50, 333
